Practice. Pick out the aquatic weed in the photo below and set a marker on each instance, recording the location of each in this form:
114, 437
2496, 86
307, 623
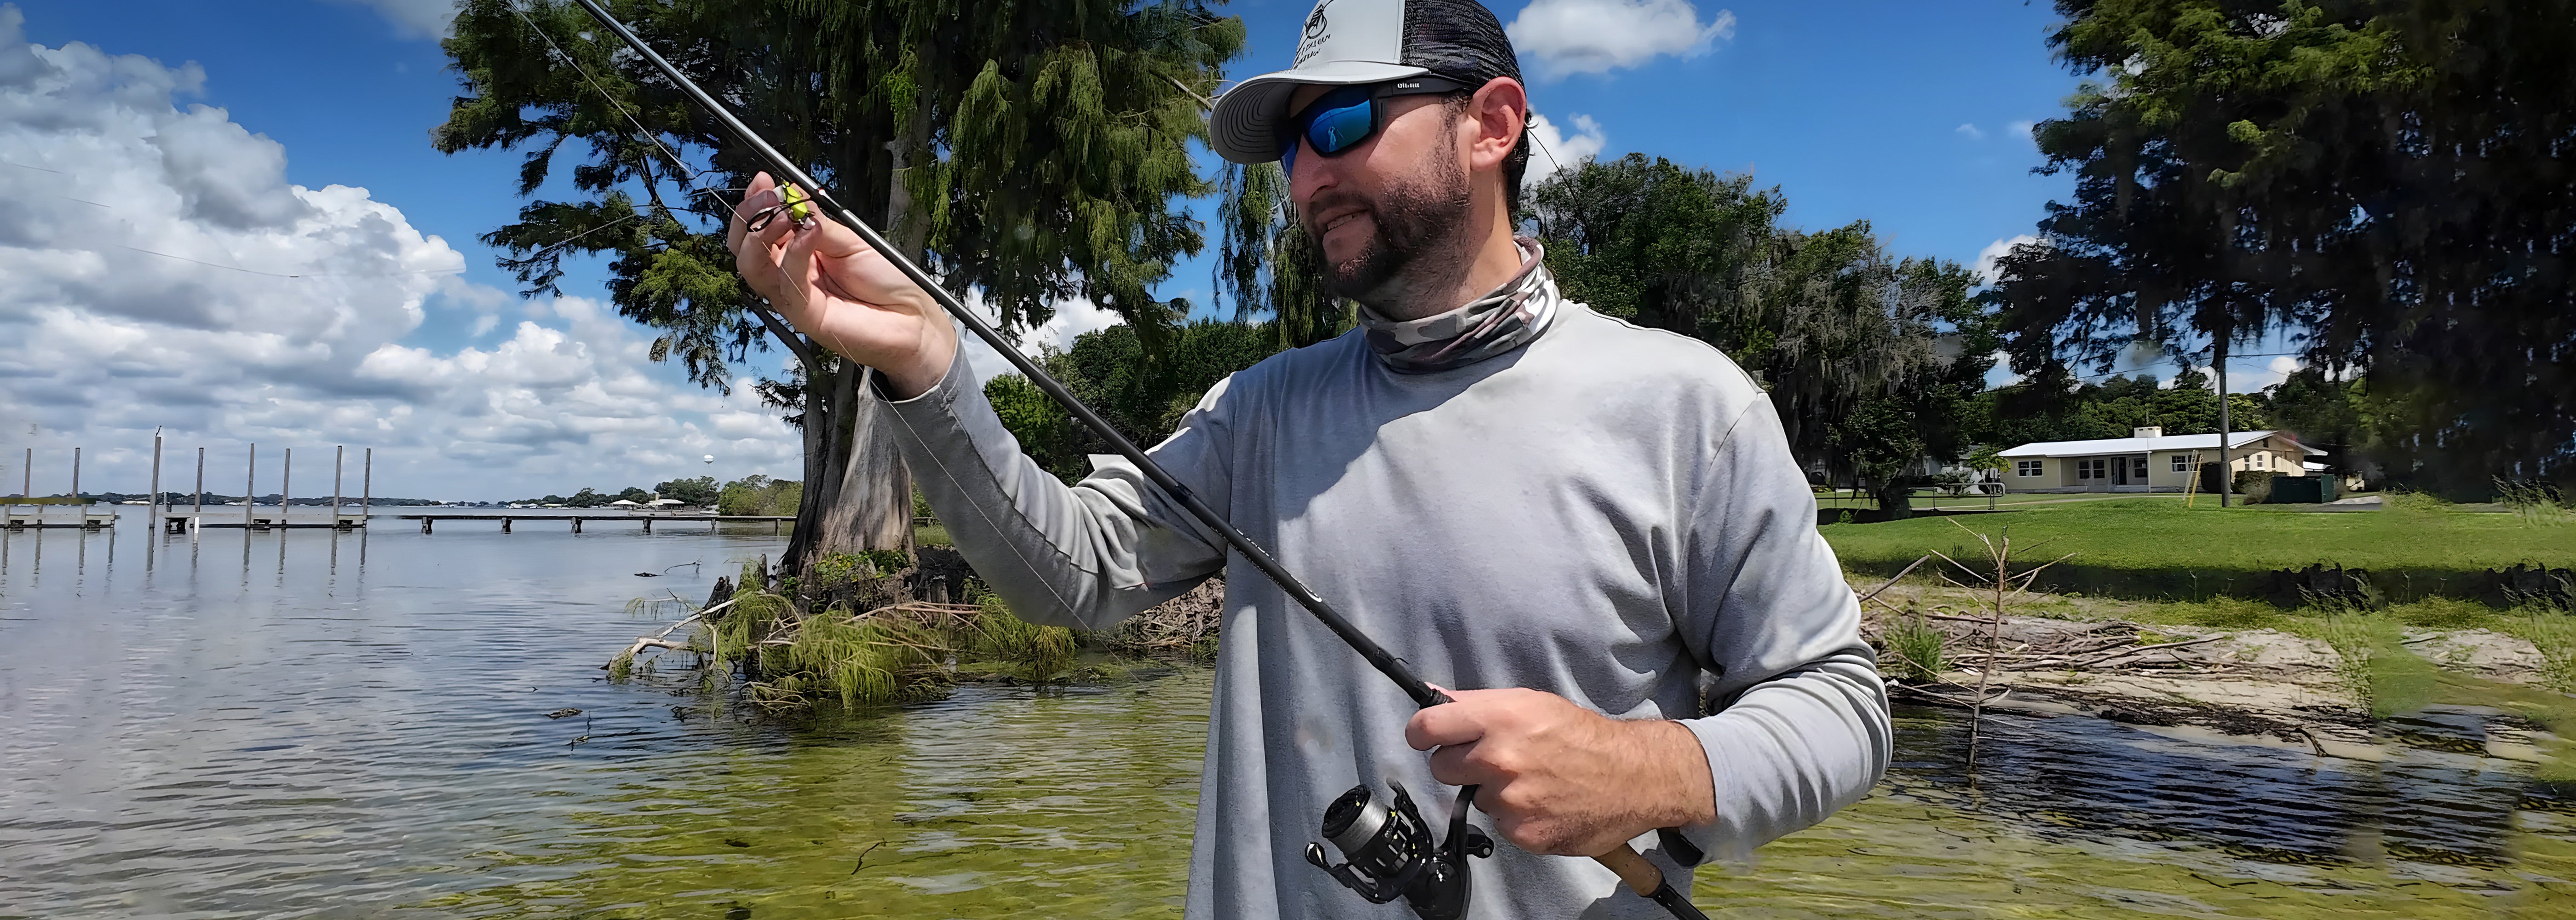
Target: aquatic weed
1917, 647
1041, 652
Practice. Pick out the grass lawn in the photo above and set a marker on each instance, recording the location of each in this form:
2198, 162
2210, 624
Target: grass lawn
2153, 547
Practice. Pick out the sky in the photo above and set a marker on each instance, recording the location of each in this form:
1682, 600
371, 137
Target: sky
225, 221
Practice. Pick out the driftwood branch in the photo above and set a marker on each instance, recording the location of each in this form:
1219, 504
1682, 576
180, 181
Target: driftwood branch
1900, 576
661, 640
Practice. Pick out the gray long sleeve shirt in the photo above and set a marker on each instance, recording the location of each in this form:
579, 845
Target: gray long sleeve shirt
1607, 513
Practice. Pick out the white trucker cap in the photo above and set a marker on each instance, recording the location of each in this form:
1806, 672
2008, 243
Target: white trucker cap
1349, 42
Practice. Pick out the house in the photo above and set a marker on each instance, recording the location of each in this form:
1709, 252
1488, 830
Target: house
2146, 461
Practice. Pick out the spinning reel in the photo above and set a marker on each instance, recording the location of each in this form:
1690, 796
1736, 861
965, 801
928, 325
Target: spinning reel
1392, 854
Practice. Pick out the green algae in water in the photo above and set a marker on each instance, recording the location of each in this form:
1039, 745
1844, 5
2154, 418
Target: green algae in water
1895, 856
1042, 804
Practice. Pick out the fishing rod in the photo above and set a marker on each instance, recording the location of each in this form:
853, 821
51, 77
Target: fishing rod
1390, 850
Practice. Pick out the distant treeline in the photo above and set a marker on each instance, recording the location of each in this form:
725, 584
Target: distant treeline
748, 495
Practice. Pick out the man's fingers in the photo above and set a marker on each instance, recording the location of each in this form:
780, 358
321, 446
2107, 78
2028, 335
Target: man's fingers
1455, 765
1446, 724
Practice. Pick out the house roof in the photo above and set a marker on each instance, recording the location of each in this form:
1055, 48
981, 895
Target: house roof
2106, 446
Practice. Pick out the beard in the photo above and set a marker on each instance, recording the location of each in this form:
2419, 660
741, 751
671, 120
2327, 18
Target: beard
1418, 224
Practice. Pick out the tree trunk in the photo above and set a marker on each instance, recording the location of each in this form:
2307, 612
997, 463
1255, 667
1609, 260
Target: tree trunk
867, 501
872, 508
1895, 497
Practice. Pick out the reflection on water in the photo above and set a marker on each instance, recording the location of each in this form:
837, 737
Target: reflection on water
317, 724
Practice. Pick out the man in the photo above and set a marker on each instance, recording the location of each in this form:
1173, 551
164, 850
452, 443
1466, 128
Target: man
1586, 527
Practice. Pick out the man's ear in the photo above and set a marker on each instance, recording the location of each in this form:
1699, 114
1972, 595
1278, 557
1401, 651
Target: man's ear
1498, 113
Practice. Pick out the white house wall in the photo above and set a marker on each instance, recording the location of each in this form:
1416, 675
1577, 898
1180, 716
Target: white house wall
2058, 474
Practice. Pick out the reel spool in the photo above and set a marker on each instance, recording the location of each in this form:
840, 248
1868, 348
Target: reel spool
1392, 854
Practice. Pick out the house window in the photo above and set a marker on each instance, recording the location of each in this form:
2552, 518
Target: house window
2091, 468
2262, 461
2025, 467
2182, 464
2139, 469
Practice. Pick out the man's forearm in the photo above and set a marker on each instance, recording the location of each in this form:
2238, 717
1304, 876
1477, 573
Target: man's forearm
1673, 787
1084, 556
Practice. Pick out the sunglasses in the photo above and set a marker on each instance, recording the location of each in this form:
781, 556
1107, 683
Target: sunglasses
1349, 115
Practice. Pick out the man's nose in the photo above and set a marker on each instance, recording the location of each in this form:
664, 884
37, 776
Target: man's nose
1308, 173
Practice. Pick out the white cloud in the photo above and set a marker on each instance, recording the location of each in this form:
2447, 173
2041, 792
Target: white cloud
1973, 132
157, 269
2274, 371
1598, 36
424, 18
1558, 152
1072, 318
1994, 251
2022, 129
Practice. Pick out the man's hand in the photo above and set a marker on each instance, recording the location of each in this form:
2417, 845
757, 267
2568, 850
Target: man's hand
1561, 779
847, 296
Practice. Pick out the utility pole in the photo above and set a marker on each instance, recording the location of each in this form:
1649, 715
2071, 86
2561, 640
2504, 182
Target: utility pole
2226, 474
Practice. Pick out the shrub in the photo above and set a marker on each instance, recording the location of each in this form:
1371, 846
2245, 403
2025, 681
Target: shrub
2535, 501
2255, 485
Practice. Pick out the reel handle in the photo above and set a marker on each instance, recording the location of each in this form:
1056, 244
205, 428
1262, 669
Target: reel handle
1648, 881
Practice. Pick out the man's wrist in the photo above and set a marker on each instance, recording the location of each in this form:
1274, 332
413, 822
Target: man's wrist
930, 367
1684, 788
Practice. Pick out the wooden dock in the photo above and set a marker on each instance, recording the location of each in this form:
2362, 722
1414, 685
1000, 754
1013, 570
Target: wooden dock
427, 520
80, 518
185, 521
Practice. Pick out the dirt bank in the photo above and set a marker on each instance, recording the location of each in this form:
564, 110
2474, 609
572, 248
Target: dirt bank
2288, 687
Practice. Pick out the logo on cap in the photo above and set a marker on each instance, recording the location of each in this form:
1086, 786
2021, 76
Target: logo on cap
1317, 31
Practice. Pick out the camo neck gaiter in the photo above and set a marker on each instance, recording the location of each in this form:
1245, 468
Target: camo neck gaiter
1490, 325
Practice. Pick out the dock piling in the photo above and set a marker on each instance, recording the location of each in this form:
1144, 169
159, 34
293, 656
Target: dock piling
285, 482
250, 484
339, 453
199, 507
156, 472
505, 525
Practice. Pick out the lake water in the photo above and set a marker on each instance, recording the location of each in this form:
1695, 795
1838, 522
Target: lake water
309, 724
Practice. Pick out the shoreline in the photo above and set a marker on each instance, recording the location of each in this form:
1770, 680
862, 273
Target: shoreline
2336, 684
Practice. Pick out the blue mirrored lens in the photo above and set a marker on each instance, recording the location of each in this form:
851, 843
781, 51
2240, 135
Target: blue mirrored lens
1341, 127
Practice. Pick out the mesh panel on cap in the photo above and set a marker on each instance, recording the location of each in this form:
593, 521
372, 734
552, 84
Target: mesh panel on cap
1458, 39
